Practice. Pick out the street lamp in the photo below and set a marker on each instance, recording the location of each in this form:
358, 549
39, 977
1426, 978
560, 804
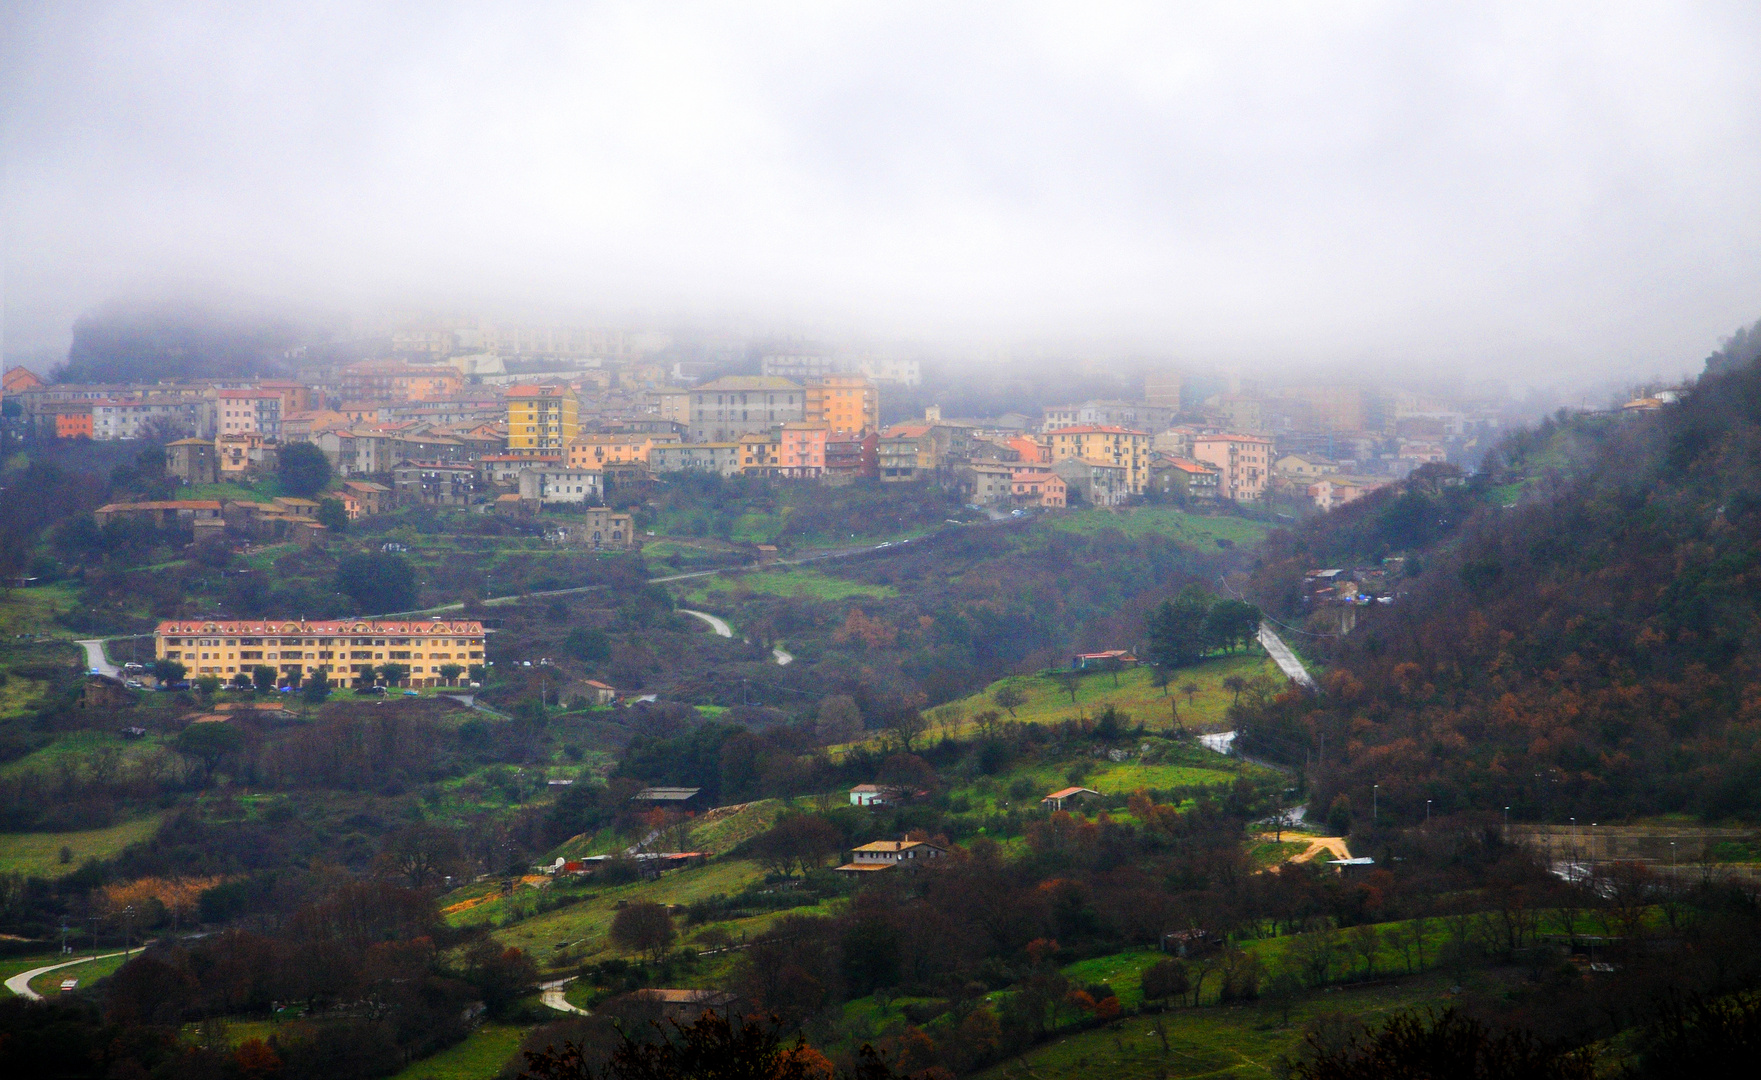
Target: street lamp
1427, 813
1375, 804
1507, 819
128, 929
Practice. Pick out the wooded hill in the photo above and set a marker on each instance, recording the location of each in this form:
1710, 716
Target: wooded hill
1578, 633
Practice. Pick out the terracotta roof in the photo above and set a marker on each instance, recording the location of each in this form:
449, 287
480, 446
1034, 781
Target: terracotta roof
1097, 429
1069, 791
895, 845
173, 504
336, 627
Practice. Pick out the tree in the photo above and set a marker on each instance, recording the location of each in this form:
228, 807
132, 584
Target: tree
1190, 689
264, 677
645, 928
168, 671
333, 515
424, 854
1165, 979
1235, 684
209, 685
1112, 665
1070, 682
588, 644
377, 582
905, 725
317, 688
242, 680
303, 469
208, 743
1364, 942
393, 674
711, 1046
1009, 697
451, 672
478, 673
840, 720
1177, 629
1440, 1045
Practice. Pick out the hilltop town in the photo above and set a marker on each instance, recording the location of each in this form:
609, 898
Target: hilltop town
523, 420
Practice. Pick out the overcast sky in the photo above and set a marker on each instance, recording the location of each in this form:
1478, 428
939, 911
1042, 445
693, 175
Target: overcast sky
1498, 188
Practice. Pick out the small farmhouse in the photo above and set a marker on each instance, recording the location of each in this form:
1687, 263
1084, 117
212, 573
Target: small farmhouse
1068, 798
886, 854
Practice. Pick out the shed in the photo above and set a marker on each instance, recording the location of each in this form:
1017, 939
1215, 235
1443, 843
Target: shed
678, 798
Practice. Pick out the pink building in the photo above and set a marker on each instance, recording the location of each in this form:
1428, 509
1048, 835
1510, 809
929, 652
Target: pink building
1243, 464
801, 453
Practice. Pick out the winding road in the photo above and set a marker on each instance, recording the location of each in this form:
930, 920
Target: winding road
720, 626
20, 984
551, 993
1285, 659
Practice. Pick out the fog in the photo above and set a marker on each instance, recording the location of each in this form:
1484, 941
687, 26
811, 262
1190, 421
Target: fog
1496, 188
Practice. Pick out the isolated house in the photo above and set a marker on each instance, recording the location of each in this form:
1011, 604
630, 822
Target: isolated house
1069, 797
868, 795
886, 854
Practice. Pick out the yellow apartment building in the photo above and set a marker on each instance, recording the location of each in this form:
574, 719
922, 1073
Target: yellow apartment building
346, 650
542, 418
1100, 444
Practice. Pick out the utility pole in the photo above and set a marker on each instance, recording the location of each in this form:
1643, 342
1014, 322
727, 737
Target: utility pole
128, 930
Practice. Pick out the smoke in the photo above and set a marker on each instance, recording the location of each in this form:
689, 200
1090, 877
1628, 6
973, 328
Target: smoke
1492, 187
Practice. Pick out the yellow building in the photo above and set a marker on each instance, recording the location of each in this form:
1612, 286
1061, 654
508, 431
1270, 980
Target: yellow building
846, 404
346, 650
595, 451
1100, 444
542, 418
760, 454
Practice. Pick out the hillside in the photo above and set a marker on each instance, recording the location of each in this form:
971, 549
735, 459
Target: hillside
1578, 634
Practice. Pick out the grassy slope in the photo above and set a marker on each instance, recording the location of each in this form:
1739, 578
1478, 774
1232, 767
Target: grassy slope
584, 924
1187, 528
479, 1057
88, 973
1236, 1041
1135, 695
811, 584
32, 611
38, 854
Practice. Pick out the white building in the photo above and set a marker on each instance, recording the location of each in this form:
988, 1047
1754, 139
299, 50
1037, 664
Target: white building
560, 485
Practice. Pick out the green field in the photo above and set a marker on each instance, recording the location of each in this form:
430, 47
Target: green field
39, 854
807, 584
1106, 777
582, 926
479, 1057
1135, 695
1187, 528
1233, 1041
87, 973
32, 611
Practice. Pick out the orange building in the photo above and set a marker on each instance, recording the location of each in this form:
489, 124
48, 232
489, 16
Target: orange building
760, 454
844, 404
73, 420
18, 379
1031, 449
596, 451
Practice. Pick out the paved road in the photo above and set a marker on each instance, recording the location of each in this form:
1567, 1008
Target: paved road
551, 993
96, 660
20, 984
720, 626
1285, 659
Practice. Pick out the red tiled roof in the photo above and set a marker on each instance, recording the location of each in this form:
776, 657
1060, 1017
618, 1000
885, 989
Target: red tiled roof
336, 627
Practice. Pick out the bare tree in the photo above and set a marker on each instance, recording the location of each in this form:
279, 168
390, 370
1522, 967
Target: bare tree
1009, 697
1364, 942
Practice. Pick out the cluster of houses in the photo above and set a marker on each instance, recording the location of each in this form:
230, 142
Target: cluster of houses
500, 428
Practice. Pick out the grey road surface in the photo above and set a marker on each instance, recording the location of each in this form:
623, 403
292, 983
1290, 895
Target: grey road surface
1285, 659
